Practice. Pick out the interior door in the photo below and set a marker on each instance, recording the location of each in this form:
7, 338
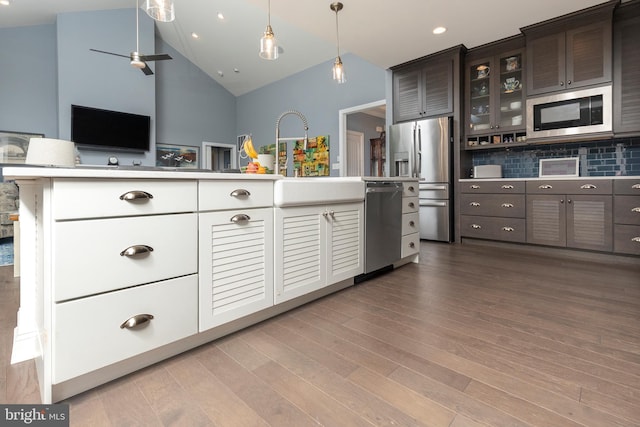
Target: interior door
355, 153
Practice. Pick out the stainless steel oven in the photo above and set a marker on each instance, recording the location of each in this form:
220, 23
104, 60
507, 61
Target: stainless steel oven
570, 113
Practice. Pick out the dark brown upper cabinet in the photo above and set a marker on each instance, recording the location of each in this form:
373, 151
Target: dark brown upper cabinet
423, 88
571, 51
626, 69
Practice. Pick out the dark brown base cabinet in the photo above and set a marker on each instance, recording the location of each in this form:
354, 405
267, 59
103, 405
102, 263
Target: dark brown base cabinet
493, 210
591, 214
626, 217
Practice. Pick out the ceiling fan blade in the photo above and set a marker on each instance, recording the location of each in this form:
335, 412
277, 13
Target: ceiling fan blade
146, 70
159, 57
109, 53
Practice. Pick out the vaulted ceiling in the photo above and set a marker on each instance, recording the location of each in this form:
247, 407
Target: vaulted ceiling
382, 33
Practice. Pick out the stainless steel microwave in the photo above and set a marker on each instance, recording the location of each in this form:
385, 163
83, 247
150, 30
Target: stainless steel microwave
570, 113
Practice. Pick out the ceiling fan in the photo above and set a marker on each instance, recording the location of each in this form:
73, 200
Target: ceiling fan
137, 59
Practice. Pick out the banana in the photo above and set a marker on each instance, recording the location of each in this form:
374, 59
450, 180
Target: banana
248, 148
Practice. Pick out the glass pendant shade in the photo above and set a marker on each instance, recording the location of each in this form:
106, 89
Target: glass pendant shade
338, 71
160, 10
268, 45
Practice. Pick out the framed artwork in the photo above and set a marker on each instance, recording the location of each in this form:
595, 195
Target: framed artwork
14, 145
178, 156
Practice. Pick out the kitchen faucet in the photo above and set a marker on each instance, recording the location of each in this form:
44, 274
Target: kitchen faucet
278, 139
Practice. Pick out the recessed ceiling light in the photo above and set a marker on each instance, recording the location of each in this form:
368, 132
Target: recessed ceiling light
195, 35
220, 73
235, 70
220, 16
439, 30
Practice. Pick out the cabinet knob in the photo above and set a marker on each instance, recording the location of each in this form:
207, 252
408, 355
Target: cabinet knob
508, 229
411, 205
507, 205
545, 187
137, 321
474, 204
497, 126
412, 245
569, 82
412, 224
568, 200
507, 187
240, 193
588, 187
476, 226
136, 195
136, 250
412, 189
561, 83
240, 218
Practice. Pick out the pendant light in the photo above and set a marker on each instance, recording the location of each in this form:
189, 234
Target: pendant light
268, 43
338, 69
160, 10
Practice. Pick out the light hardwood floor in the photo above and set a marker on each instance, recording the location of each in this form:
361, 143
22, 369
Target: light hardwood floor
471, 336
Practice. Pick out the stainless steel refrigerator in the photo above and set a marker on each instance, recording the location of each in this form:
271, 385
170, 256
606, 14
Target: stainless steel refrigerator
423, 149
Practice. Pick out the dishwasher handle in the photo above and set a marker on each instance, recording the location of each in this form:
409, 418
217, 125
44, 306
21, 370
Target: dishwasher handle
385, 188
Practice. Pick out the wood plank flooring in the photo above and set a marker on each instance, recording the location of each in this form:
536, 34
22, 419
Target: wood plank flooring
470, 336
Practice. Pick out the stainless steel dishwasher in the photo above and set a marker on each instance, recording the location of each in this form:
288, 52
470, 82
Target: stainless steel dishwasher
383, 224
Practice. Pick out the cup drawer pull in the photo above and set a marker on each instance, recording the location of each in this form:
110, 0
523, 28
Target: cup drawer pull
507, 187
636, 210
136, 250
240, 218
476, 226
508, 229
240, 193
136, 322
136, 195
545, 187
507, 205
474, 204
588, 187
636, 239
474, 187
635, 186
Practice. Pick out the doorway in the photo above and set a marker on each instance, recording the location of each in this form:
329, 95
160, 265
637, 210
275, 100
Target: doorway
219, 157
355, 153
372, 117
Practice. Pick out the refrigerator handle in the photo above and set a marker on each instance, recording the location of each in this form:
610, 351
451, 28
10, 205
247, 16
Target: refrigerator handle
419, 153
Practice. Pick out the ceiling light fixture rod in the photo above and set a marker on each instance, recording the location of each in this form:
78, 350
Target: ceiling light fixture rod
268, 44
338, 69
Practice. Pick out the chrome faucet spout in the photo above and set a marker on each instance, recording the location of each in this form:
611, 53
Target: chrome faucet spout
306, 136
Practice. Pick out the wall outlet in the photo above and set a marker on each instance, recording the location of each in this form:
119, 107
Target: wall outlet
335, 166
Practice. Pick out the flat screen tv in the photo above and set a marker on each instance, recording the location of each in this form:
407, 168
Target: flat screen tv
98, 129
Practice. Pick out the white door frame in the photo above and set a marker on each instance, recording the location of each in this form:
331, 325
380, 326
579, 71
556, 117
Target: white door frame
206, 154
342, 130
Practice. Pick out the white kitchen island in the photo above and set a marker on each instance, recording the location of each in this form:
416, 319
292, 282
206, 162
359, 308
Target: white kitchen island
122, 268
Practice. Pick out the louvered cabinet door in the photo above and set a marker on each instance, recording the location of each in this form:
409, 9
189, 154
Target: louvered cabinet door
300, 251
546, 220
590, 222
235, 265
345, 242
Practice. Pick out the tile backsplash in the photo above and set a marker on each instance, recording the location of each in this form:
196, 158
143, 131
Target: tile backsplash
615, 157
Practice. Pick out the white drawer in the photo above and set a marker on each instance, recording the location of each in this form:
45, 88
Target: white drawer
410, 245
410, 223
410, 204
410, 189
87, 260
87, 335
100, 198
223, 195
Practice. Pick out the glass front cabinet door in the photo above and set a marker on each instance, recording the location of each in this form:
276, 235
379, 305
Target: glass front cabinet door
496, 99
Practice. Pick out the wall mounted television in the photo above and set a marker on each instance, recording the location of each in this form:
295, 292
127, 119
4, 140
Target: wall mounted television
97, 129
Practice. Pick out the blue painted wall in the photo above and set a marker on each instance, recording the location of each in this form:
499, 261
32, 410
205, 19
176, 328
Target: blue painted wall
28, 70
313, 93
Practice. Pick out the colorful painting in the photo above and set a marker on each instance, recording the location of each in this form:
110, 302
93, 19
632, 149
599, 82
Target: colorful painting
177, 156
312, 160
